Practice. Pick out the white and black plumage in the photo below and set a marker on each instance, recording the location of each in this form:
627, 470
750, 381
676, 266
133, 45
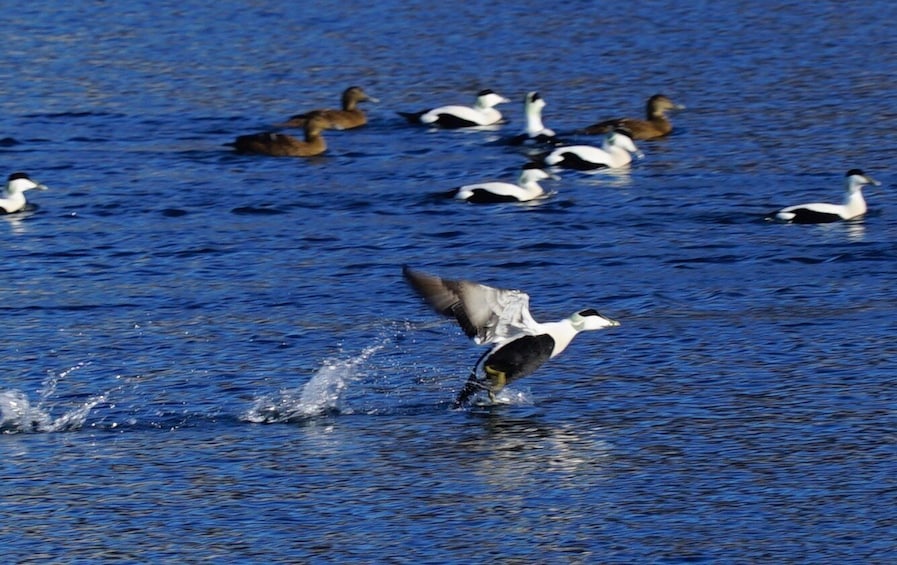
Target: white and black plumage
501, 318
482, 113
535, 131
526, 189
615, 152
854, 205
13, 198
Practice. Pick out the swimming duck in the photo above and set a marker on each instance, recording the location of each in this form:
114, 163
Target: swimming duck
535, 131
283, 145
13, 198
501, 318
820, 212
526, 189
350, 116
482, 113
616, 151
656, 124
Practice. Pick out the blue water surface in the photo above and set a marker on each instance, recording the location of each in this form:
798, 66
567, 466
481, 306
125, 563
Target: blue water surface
211, 357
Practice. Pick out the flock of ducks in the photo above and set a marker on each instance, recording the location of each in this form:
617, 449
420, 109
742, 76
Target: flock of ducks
493, 316
616, 150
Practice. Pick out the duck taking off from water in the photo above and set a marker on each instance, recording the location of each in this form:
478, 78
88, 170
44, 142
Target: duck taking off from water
616, 151
854, 205
656, 124
526, 189
501, 318
13, 197
482, 113
348, 117
283, 145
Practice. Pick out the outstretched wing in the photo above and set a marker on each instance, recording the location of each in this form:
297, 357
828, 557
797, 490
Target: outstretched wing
486, 314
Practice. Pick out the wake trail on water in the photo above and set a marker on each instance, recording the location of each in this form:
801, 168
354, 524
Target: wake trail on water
327, 391
324, 393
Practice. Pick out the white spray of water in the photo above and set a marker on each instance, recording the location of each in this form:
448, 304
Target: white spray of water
19, 415
507, 395
324, 393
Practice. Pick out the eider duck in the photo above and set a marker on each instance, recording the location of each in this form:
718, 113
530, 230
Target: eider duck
535, 131
13, 198
820, 212
656, 124
482, 113
526, 189
616, 151
501, 318
283, 145
350, 116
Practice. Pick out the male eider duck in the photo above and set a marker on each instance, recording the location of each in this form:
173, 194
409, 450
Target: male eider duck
350, 116
520, 344
655, 125
616, 151
283, 145
13, 198
526, 189
482, 113
821, 213
535, 131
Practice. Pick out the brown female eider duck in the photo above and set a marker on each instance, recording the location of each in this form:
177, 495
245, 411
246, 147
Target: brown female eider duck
283, 145
350, 116
655, 125
13, 198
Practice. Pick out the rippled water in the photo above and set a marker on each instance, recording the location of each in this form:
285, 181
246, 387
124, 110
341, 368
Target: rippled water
214, 357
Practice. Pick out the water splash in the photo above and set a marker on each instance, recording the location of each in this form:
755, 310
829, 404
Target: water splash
19, 415
506, 396
324, 393
515, 397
